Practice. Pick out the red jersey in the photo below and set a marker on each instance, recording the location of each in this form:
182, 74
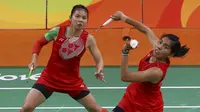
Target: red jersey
62, 70
146, 96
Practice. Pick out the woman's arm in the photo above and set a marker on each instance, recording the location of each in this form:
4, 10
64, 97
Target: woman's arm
153, 74
138, 25
91, 44
42, 41
95, 53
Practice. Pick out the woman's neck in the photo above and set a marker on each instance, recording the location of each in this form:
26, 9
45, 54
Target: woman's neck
74, 32
154, 59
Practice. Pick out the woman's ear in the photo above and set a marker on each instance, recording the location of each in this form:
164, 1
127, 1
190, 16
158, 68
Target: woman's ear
70, 17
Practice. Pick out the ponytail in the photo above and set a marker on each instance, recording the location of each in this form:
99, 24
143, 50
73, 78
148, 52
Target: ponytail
182, 51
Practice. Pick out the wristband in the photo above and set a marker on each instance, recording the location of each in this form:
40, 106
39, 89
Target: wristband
124, 54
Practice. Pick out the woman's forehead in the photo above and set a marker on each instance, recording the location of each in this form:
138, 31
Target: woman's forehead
80, 11
166, 41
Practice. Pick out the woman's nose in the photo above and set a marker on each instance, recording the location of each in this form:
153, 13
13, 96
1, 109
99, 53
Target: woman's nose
159, 46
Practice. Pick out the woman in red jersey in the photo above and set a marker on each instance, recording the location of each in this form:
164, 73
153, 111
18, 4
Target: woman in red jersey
62, 71
143, 94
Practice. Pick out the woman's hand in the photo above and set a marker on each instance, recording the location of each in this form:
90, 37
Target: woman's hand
117, 16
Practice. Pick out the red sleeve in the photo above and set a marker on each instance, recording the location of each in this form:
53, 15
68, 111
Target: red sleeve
39, 44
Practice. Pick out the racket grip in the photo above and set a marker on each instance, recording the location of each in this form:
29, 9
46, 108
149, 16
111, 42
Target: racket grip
107, 22
29, 74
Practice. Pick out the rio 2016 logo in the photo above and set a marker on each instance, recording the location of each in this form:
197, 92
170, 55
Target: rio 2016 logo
18, 77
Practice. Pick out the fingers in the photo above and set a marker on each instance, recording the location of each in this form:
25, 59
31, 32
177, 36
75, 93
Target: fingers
100, 76
127, 46
102, 79
100, 71
116, 16
32, 66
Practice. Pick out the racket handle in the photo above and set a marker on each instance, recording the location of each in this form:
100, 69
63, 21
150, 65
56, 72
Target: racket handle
29, 74
30, 71
107, 22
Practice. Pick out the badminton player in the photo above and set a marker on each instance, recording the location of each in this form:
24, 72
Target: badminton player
143, 94
62, 71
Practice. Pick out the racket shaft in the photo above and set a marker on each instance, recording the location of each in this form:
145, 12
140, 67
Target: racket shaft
30, 72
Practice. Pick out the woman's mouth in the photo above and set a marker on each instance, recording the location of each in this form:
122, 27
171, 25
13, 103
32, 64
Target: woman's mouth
156, 51
79, 25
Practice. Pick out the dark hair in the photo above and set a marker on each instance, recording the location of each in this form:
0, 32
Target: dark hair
79, 6
177, 49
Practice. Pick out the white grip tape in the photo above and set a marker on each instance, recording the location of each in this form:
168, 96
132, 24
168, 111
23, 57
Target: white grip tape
107, 22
